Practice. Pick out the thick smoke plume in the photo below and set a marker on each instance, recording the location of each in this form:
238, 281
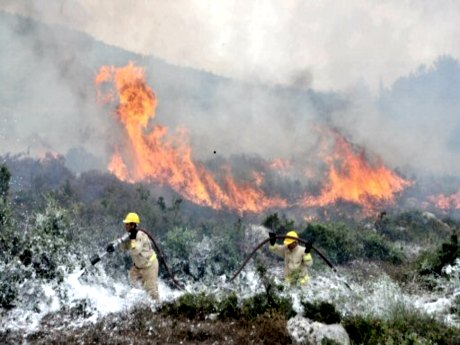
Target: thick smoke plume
48, 101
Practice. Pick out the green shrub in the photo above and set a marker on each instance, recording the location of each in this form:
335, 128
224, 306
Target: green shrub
216, 252
198, 306
323, 312
29, 257
432, 261
278, 225
229, 308
404, 326
178, 248
337, 239
342, 243
415, 227
269, 301
263, 303
376, 248
192, 306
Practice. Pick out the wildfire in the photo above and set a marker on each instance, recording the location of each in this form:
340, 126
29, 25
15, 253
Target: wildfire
446, 202
153, 154
352, 178
149, 152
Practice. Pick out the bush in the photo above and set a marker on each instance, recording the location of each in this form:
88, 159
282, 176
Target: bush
278, 225
432, 262
31, 257
191, 306
269, 301
321, 312
218, 251
343, 244
414, 226
404, 326
376, 248
229, 308
198, 306
337, 239
264, 303
178, 247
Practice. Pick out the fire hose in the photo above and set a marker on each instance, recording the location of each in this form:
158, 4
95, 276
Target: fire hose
161, 255
321, 255
96, 258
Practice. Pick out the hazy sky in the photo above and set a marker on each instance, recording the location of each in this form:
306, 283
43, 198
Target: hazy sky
349, 47
324, 44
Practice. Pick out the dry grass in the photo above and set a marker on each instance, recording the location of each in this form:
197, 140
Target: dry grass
142, 326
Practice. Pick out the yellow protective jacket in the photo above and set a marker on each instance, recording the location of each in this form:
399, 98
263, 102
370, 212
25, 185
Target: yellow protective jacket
296, 263
141, 250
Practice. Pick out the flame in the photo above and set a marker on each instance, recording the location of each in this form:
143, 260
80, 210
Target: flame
446, 202
352, 178
152, 154
149, 152
118, 167
258, 178
281, 164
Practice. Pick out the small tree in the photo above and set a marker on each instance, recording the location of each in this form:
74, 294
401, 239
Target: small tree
5, 176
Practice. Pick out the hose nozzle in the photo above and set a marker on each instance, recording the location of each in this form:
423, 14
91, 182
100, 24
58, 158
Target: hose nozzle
95, 259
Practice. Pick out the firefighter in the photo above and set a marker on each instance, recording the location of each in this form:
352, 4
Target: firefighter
145, 263
297, 259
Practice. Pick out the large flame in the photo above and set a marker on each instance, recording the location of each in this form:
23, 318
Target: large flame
352, 178
152, 154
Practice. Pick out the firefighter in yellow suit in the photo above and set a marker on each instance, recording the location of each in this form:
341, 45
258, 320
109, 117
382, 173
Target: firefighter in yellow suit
297, 259
145, 263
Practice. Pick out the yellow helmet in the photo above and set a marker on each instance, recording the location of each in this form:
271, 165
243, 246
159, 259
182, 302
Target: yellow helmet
288, 241
132, 218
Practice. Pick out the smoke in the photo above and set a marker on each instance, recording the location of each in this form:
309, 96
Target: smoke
47, 98
413, 124
269, 63
270, 41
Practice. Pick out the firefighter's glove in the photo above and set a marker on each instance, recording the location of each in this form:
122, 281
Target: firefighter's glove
272, 238
110, 248
308, 247
304, 280
132, 234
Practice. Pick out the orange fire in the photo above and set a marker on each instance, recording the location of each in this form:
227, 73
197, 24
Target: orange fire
446, 202
151, 153
352, 178
281, 164
154, 155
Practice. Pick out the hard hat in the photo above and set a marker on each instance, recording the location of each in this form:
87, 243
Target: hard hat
288, 241
132, 218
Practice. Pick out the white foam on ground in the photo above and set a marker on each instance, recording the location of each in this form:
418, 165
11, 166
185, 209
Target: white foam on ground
103, 297
377, 297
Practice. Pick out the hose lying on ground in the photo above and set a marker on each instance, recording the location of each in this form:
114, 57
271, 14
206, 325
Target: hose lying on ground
321, 255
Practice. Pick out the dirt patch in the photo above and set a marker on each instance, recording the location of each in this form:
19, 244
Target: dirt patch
143, 326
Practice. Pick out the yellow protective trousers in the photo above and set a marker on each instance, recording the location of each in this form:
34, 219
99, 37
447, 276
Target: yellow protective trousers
146, 277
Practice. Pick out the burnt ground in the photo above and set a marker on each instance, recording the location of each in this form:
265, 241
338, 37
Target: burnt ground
143, 326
